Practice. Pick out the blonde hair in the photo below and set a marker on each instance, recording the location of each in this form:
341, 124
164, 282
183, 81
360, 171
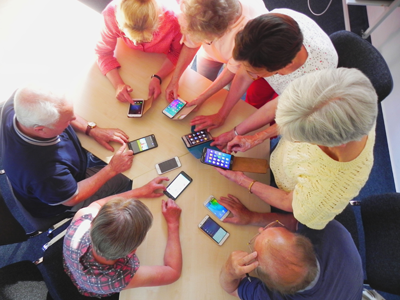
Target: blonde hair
138, 19
208, 19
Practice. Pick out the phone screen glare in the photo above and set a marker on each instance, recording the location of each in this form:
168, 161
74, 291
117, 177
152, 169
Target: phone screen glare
142, 144
216, 208
174, 107
178, 185
168, 165
218, 159
214, 230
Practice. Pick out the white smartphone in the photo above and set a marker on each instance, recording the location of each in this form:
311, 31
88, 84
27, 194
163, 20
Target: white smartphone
136, 109
221, 212
168, 165
174, 107
213, 230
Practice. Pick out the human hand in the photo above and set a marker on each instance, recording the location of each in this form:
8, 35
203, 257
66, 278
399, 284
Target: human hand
106, 135
234, 176
239, 263
171, 92
207, 122
240, 214
122, 92
122, 160
154, 88
222, 140
171, 212
149, 189
242, 143
197, 101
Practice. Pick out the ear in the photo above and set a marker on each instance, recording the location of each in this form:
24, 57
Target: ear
38, 129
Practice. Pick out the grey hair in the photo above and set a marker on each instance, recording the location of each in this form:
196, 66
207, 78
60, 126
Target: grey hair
328, 108
38, 106
299, 253
120, 227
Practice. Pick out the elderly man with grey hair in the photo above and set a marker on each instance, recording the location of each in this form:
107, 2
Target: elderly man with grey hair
294, 262
44, 160
327, 123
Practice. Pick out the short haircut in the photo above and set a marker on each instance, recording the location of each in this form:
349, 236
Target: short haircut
38, 106
299, 253
138, 19
209, 19
120, 227
328, 108
270, 41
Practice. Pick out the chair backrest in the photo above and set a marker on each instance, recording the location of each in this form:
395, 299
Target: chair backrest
381, 220
355, 52
58, 282
348, 219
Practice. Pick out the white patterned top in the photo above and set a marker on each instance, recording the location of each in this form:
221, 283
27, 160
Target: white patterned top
321, 52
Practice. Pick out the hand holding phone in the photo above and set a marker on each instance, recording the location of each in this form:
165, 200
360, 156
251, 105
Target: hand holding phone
217, 209
136, 109
213, 230
178, 185
217, 159
143, 144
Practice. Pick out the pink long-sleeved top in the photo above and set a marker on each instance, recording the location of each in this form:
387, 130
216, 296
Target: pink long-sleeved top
165, 40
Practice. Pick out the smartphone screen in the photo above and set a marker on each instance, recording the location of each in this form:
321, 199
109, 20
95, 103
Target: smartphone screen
178, 185
143, 144
217, 209
168, 165
217, 158
136, 109
215, 231
174, 107
197, 138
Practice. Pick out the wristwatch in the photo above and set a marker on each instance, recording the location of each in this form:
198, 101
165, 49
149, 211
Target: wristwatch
156, 76
90, 126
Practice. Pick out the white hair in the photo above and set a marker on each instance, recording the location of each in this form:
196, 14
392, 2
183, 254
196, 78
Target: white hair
328, 108
38, 106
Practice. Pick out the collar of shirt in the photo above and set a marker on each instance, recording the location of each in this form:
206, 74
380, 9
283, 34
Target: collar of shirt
33, 141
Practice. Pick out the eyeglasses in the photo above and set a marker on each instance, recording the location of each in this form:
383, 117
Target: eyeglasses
270, 225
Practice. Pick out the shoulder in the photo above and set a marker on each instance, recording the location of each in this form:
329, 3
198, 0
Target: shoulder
255, 289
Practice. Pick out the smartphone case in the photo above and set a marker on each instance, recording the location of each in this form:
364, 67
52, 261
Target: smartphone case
183, 113
197, 151
147, 104
252, 165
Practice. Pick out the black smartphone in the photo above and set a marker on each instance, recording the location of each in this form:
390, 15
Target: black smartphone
196, 138
178, 185
217, 159
174, 107
136, 109
213, 230
143, 144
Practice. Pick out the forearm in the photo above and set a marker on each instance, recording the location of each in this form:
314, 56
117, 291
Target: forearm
185, 58
79, 124
165, 69
222, 80
173, 251
115, 78
228, 283
262, 117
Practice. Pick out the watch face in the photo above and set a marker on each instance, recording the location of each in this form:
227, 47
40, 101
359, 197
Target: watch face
92, 124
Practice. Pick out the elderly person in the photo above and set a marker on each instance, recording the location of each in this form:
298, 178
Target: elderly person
213, 26
296, 263
327, 123
100, 245
279, 46
149, 26
44, 160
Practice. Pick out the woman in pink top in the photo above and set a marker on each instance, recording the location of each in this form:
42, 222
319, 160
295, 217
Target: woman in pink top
146, 25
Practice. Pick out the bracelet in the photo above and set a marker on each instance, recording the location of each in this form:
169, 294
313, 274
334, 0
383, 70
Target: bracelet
234, 130
251, 185
156, 76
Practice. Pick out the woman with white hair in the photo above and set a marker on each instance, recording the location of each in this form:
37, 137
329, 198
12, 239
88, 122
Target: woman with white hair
327, 123
145, 25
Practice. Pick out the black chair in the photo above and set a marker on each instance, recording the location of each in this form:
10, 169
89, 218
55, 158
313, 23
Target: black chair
380, 215
355, 52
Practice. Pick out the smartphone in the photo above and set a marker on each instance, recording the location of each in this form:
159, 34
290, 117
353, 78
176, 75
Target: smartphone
168, 165
174, 107
217, 159
221, 212
213, 230
136, 109
178, 185
196, 138
143, 144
